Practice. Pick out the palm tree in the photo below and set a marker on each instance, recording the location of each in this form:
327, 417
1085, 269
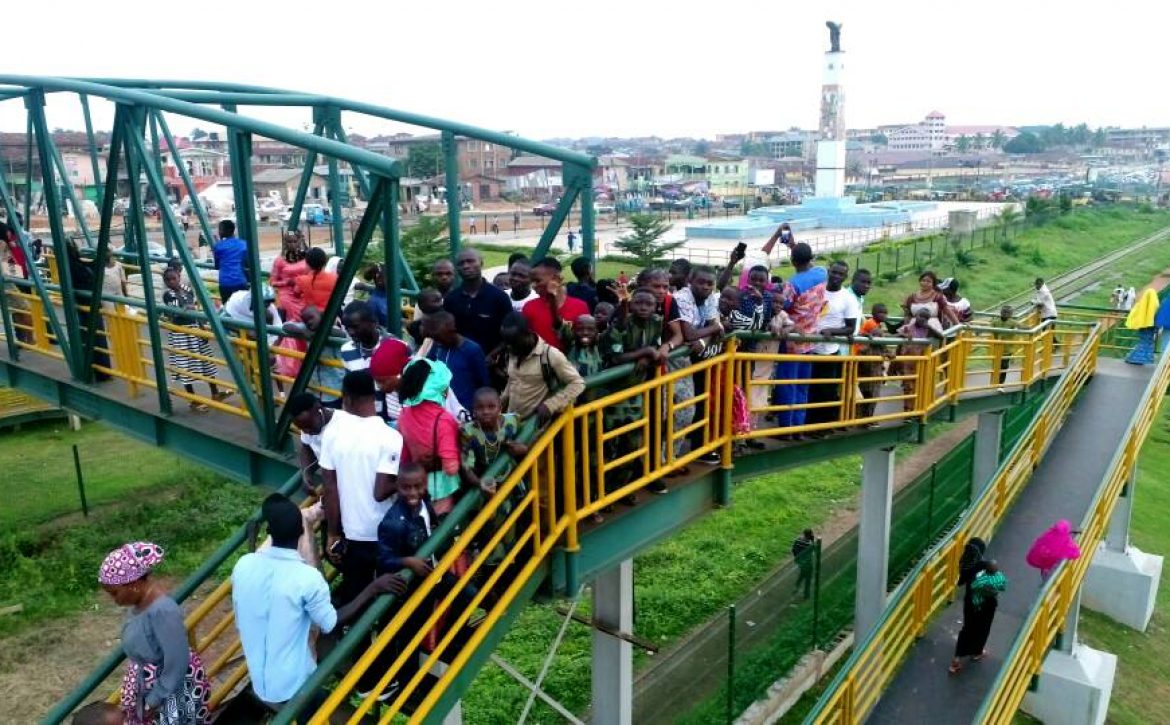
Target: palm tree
963, 143
998, 139
980, 142
1008, 216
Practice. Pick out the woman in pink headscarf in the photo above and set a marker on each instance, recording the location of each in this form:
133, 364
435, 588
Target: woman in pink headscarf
164, 683
1052, 547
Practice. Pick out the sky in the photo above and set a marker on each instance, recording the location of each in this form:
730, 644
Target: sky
630, 68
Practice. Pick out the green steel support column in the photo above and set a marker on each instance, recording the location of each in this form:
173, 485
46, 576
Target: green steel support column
405, 276
134, 119
9, 330
588, 216
454, 198
337, 225
93, 152
107, 210
66, 184
349, 267
358, 172
391, 247
192, 194
21, 240
28, 161
138, 146
558, 216
71, 345
307, 174
168, 241
240, 150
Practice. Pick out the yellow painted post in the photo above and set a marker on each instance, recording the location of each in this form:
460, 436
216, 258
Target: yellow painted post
1049, 340
728, 402
569, 477
848, 410
40, 331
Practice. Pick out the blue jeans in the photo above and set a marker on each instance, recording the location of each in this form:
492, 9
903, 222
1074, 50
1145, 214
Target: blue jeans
791, 394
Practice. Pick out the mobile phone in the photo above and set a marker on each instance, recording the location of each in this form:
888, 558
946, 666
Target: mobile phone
338, 545
740, 249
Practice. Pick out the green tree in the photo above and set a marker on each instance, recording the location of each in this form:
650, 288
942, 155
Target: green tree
702, 147
1026, 143
424, 160
963, 144
643, 242
1098, 138
422, 244
998, 139
879, 139
979, 142
198, 133
753, 148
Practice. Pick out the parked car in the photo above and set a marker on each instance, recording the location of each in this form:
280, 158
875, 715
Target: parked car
314, 214
544, 209
606, 208
732, 203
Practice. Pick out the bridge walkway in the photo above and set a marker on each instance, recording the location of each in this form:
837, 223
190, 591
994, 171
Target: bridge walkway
1062, 486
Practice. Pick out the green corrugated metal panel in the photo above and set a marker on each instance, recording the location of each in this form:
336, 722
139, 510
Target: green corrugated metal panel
1016, 420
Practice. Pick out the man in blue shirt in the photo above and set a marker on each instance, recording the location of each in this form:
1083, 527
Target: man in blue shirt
464, 357
231, 259
479, 307
276, 596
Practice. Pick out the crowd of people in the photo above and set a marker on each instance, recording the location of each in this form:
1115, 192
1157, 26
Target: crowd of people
405, 426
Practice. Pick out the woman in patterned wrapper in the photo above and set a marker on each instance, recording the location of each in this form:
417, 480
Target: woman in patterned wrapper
165, 683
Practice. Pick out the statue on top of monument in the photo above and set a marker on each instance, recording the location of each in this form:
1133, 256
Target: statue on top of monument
834, 36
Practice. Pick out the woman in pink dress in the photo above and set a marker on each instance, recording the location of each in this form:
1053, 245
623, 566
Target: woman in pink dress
285, 270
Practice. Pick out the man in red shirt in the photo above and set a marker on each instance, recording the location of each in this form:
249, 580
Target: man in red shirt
547, 313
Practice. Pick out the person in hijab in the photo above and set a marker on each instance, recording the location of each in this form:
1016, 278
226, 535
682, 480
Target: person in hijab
983, 591
430, 434
1142, 317
1052, 547
165, 683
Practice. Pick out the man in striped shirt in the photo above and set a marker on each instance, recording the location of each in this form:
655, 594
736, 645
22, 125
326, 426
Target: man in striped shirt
802, 552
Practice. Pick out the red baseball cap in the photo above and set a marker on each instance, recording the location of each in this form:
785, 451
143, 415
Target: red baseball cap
389, 358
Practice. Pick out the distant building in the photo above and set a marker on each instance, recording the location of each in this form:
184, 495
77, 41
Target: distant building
1137, 138
475, 158
934, 135
792, 144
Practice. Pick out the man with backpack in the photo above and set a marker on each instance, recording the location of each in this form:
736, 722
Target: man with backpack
541, 380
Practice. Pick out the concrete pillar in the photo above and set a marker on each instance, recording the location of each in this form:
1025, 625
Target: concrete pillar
1073, 688
1067, 640
1117, 536
873, 540
1122, 582
988, 434
613, 658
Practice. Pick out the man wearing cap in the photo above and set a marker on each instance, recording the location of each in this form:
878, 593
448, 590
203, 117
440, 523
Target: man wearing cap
239, 307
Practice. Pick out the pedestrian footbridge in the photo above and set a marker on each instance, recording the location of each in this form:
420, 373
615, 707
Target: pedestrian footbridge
108, 357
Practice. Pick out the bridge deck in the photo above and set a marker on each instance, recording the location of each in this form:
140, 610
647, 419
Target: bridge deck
1062, 487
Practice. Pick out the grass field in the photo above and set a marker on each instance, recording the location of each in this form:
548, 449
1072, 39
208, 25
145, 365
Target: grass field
1141, 691
39, 457
680, 583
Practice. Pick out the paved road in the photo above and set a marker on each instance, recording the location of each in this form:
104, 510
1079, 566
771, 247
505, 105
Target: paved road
1062, 487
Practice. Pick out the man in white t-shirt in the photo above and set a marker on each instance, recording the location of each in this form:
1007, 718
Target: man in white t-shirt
359, 461
1043, 301
838, 320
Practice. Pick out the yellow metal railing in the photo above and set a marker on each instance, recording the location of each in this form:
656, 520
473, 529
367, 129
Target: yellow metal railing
1059, 593
931, 585
577, 469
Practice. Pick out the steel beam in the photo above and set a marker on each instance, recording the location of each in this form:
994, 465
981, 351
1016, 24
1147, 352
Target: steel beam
93, 152
136, 159
211, 315
298, 204
71, 345
588, 215
240, 152
107, 215
391, 253
451, 175
353, 260
192, 192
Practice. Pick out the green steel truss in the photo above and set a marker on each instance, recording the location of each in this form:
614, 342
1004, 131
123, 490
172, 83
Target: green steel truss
144, 111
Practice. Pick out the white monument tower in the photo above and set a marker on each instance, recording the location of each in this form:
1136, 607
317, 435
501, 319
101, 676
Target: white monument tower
830, 179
